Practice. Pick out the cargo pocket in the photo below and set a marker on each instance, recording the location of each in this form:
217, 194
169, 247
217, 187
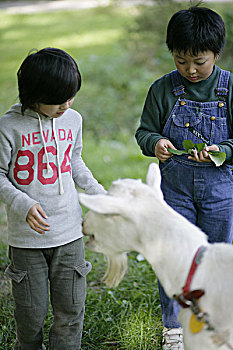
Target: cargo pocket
20, 286
79, 282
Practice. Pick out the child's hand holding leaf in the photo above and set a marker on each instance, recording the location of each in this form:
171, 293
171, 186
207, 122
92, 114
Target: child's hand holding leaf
200, 152
162, 149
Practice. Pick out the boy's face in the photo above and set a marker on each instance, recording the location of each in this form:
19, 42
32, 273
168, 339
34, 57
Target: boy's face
55, 111
195, 68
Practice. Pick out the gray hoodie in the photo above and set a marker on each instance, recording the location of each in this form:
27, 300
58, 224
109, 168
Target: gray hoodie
40, 162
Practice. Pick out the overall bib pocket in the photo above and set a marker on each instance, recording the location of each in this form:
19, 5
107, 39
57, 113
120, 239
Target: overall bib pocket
180, 128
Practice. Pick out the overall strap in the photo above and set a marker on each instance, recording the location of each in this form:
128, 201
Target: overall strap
178, 87
222, 89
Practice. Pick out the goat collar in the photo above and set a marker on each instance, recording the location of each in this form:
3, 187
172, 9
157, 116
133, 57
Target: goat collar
185, 298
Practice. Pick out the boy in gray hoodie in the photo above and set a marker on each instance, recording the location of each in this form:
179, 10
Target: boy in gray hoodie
40, 163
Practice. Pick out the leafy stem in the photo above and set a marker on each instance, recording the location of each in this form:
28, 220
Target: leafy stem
216, 156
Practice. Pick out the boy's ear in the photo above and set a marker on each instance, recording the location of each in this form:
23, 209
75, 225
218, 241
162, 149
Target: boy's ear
216, 57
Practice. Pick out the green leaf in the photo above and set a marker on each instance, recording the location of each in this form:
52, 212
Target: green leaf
190, 151
215, 152
200, 146
188, 144
176, 151
217, 157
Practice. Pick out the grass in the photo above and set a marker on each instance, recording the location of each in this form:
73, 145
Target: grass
130, 314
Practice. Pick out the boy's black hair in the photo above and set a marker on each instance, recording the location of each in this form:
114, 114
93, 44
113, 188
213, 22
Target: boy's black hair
49, 76
196, 29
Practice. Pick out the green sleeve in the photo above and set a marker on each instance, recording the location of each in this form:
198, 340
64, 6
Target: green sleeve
227, 147
150, 128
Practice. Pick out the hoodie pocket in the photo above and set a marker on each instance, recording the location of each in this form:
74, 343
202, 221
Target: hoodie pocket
79, 282
20, 285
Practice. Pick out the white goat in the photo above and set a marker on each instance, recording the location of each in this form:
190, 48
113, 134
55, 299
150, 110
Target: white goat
133, 216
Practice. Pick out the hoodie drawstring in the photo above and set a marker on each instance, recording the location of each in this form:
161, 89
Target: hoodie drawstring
61, 189
49, 169
43, 140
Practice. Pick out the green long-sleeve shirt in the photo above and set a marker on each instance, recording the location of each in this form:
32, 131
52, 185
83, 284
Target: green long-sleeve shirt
160, 102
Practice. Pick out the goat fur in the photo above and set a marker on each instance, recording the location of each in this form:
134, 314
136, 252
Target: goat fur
133, 216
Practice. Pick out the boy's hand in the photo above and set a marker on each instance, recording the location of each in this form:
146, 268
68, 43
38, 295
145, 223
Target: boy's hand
35, 219
161, 151
203, 156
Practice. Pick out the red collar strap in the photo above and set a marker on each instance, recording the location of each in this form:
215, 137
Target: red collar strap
185, 299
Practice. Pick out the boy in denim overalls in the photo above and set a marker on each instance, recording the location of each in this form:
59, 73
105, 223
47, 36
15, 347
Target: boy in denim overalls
194, 103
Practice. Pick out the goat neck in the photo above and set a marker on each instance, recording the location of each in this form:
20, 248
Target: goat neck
169, 244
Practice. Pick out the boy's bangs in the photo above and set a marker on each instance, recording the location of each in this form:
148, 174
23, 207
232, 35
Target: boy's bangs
58, 92
59, 98
59, 81
191, 48
194, 45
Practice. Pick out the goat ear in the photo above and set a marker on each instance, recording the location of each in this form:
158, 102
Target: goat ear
153, 178
101, 203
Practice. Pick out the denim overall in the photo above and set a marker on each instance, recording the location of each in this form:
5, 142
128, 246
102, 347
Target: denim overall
201, 192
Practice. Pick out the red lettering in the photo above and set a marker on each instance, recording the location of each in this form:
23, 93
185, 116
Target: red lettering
46, 136
35, 140
52, 136
42, 166
27, 140
24, 167
70, 137
62, 137
66, 167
